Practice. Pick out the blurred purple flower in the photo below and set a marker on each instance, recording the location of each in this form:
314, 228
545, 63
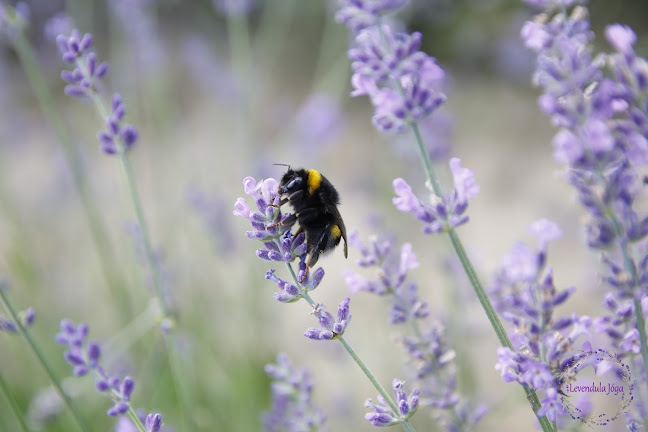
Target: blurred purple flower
598, 102
392, 269
430, 359
84, 357
523, 292
234, 7
360, 14
26, 318
213, 211
13, 20
292, 407
443, 213
318, 122
61, 23
138, 21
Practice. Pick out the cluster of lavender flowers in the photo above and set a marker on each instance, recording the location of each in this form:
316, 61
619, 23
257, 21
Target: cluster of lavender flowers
26, 317
441, 214
523, 292
85, 81
598, 102
84, 358
280, 245
403, 83
430, 357
292, 407
383, 415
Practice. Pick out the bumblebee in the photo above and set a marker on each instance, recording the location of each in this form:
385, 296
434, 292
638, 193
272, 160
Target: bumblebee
314, 201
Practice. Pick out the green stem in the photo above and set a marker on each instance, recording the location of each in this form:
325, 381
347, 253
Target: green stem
408, 427
135, 419
135, 201
146, 239
13, 405
41, 358
79, 178
532, 397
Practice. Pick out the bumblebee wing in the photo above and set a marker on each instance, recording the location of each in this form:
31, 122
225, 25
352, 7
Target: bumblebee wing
340, 223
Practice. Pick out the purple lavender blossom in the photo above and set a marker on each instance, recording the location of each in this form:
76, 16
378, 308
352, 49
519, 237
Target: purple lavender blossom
403, 83
142, 31
331, 328
214, 213
598, 102
116, 137
61, 23
391, 274
429, 357
26, 318
443, 213
292, 406
360, 14
279, 244
152, 423
84, 358
384, 415
317, 123
524, 294
85, 81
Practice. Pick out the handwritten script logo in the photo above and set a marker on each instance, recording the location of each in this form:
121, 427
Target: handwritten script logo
623, 392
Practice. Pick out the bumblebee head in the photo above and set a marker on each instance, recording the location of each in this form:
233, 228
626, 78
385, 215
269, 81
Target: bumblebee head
292, 181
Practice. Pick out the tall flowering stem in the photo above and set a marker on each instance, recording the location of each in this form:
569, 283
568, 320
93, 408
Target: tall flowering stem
84, 81
598, 102
45, 99
42, 360
279, 245
525, 294
405, 85
84, 357
431, 360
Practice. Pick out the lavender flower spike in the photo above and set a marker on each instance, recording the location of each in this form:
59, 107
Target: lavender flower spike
85, 81
25, 317
292, 406
525, 295
279, 244
331, 328
84, 357
442, 213
360, 14
383, 415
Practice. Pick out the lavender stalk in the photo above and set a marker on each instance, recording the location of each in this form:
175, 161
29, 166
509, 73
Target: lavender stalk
405, 86
91, 211
279, 245
84, 81
13, 405
43, 361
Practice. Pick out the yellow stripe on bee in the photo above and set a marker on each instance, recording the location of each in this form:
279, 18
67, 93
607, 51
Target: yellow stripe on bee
314, 181
335, 231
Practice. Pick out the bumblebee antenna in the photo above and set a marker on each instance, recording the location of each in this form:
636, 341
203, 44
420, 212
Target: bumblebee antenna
281, 164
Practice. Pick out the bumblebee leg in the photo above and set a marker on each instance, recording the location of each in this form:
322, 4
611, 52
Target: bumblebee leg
303, 278
295, 195
290, 220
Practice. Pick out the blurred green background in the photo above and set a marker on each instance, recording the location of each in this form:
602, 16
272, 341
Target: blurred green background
217, 99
